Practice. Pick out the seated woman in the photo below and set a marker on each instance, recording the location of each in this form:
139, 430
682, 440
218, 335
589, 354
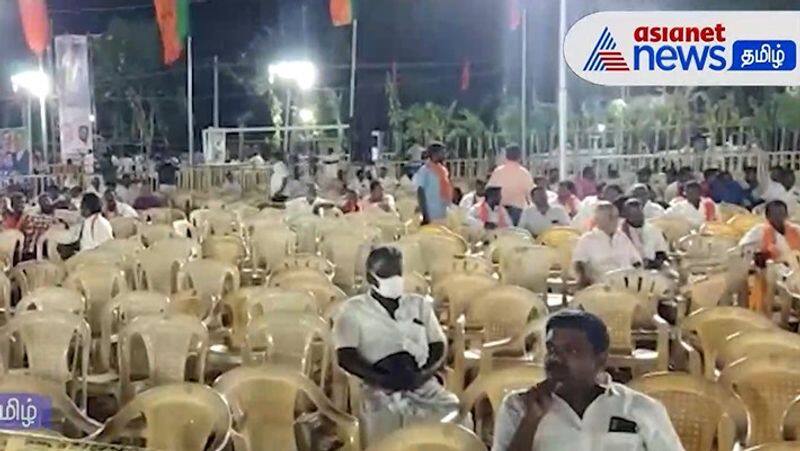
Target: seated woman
393, 342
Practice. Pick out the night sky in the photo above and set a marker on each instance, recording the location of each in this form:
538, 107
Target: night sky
442, 33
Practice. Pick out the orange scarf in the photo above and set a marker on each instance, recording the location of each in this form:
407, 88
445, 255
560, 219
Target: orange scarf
768, 241
759, 298
483, 214
445, 188
709, 209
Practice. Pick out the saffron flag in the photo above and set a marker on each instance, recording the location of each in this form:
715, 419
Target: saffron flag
343, 12
173, 23
35, 24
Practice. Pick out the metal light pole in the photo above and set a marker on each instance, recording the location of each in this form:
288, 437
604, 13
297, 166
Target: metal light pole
562, 92
37, 84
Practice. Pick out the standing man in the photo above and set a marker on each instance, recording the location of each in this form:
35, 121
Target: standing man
514, 180
578, 407
434, 190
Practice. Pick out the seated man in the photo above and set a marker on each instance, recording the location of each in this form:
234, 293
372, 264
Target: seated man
474, 196
583, 220
35, 224
489, 214
578, 407
604, 248
393, 342
648, 239
651, 209
552, 197
693, 206
566, 197
542, 215
308, 203
114, 208
378, 199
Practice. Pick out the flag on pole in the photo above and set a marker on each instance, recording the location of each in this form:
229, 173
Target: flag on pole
35, 24
465, 75
514, 14
173, 22
343, 12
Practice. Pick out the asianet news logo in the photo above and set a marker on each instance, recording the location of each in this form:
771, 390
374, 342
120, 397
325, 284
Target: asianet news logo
685, 48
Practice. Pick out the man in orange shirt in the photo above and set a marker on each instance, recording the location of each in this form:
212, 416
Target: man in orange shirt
514, 181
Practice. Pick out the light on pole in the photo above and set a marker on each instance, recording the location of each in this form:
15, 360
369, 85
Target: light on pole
301, 73
37, 84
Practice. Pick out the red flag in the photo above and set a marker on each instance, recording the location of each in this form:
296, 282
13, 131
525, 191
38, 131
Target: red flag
35, 24
514, 14
167, 12
465, 75
343, 12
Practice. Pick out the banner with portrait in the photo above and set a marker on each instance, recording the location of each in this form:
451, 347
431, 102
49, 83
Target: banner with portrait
74, 97
14, 152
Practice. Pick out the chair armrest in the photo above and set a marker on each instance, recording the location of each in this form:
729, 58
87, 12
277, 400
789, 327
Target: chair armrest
662, 342
695, 362
456, 382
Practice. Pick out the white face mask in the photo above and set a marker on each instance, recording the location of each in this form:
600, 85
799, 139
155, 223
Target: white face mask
390, 287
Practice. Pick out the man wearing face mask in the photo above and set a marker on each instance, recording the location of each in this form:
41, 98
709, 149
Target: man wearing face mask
646, 238
393, 342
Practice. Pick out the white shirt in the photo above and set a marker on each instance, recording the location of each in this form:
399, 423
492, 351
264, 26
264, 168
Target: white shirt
125, 165
127, 195
497, 215
279, 173
95, 231
755, 236
257, 160
583, 218
301, 205
88, 163
671, 191
388, 201
652, 210
648, 240
537, 223
776, 191
469, 199
684, 208
294, 188
125, 211
362, 323
601, 253
561, 429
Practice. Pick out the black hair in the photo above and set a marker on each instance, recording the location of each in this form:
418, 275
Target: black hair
587, 170
435, 147
381, 254
537, 188
594, 328
774, 204
493, 189
91, 203
694, 184
513, 152
374, 184
568, 185
613, 186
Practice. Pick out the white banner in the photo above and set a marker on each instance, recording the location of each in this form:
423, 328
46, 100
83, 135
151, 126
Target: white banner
214, 146
686, 48
74, 97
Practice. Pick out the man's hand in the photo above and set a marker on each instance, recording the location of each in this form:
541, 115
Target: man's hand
538, 401
760, 259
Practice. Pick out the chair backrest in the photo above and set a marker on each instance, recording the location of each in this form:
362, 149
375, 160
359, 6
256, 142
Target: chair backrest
121, 310
413, 260
673, 227
285, 338
527, 266
504, 311
493, 386
152, 233
53, 299
98, 285
757, 343
47, 244
184, 248
707, 292
179, 417
439, 249
502, 242
11, 245
719, 229
416, 283
311, 262
271, 246
124, 228
96, 256
62, 406
699, 246
435, 436
305, 226
563, 240
650, 286
32, 274
265, 401
268, 300
162, 215
222, 223
742, 223
726, 211
54, 345
700, 410
710, 328
158, 271
767, 385
348, 251
457, 289
226, 248
5, 297
169, 342
616, 308
210, 279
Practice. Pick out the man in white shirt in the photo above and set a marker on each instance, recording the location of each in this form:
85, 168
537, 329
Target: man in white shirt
776, 238
583, 219
604, 248
542, 215
489, 214
552, 196
88, 162
278, 180
115, 208
474, 196
377, 199
646, 238
651, 209
308, 203
693, 206
231, 187
125, 190
578, 407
